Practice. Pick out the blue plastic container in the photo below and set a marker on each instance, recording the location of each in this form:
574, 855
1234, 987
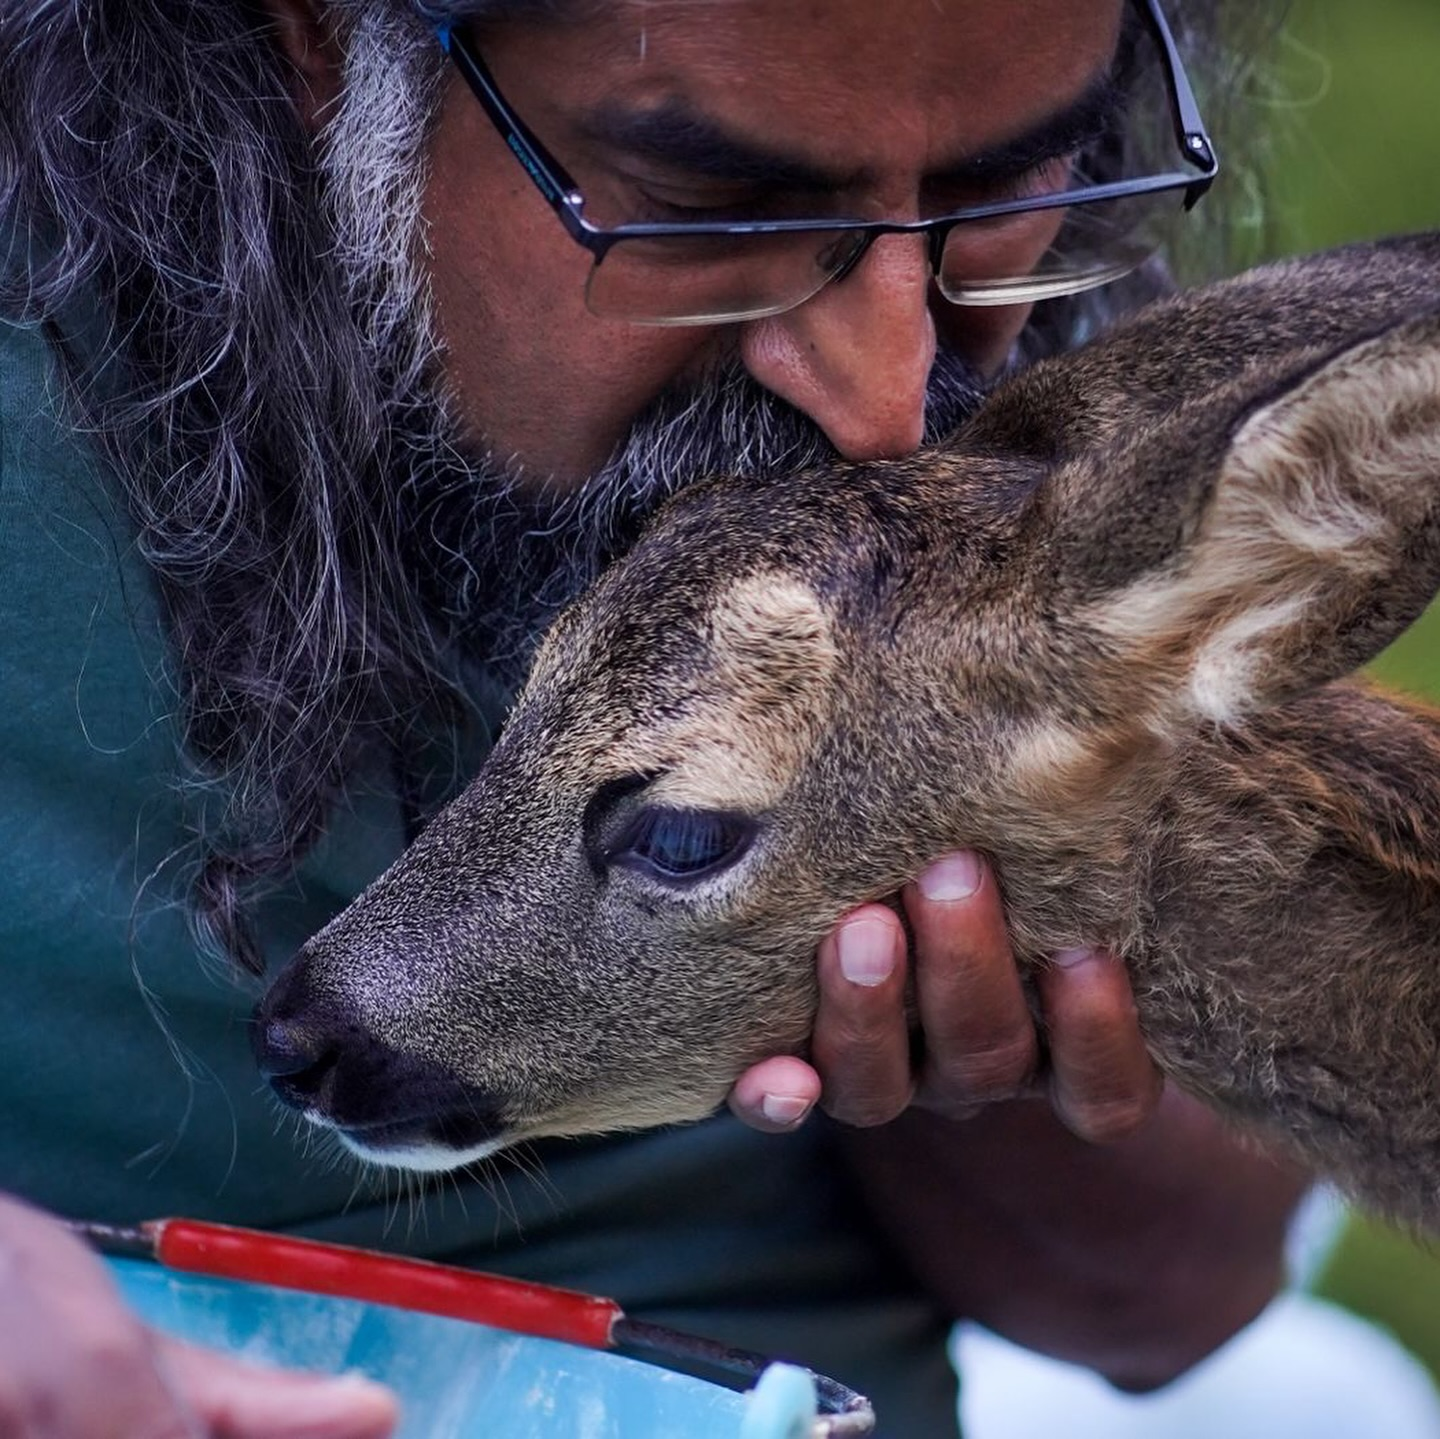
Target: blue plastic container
458, 1380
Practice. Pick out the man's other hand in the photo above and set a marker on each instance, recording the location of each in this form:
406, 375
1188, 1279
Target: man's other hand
75, 1363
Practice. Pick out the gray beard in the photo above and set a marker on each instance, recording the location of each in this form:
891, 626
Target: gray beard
496, 558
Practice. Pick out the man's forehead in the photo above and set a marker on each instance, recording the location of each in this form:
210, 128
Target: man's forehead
796, 33
954, 74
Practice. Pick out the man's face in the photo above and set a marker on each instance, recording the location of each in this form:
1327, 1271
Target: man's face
874, 106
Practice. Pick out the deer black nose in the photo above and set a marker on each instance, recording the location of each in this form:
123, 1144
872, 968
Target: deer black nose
297, 1051
295, 1062
283, 1049
320, 1057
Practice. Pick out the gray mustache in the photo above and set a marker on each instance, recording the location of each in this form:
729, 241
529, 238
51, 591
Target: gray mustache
499, 560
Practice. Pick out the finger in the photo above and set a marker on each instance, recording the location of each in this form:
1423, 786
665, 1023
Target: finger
74, 1360
980, 1039
1103, 1083
775, 1095
235, 1400
861, 1045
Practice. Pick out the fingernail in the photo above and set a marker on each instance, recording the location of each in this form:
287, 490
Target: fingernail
956, 876
867, 952
786, 1109
1070, 958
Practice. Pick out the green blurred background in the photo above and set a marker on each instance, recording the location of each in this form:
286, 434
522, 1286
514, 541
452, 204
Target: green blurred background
1355, 94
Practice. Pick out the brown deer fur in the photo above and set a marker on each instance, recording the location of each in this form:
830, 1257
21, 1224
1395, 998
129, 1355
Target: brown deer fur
1095, 635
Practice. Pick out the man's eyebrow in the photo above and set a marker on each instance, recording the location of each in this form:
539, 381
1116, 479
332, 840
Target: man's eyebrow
677, 137
1097, 112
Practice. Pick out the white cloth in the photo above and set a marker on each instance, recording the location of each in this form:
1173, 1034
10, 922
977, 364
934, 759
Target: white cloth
1305, 1369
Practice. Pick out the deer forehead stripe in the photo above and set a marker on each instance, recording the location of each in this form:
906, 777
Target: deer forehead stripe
757, 689
777, 621
770, 664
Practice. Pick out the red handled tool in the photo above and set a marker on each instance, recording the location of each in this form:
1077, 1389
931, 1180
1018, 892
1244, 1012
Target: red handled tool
225, 1252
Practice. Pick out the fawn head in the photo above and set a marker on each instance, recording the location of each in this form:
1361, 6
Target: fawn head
792, 694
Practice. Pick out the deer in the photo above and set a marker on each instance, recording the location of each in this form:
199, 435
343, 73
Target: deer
1104, 633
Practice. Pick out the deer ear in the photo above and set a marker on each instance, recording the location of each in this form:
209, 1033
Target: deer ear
1316, 541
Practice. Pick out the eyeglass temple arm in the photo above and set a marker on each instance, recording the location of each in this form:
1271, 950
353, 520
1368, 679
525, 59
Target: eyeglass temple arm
1189, 127
546, 173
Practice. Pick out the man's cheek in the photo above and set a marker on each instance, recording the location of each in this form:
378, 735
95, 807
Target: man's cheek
983, 335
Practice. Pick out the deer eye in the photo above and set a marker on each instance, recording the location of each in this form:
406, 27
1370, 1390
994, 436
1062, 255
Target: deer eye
682, 844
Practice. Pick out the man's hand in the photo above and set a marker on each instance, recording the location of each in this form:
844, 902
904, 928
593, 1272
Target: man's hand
1136, 1256
981, 1044
75, 1363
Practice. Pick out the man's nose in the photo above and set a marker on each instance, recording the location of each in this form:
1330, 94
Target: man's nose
856, 358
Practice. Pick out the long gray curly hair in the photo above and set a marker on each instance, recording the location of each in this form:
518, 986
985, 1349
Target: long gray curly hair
263, 384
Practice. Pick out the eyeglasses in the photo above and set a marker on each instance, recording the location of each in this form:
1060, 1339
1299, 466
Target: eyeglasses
1072, 234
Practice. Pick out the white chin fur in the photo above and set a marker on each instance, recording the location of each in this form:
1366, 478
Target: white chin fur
427, 1158
430, 1158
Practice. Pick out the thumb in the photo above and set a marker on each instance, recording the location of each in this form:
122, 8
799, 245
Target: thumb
775, 1095
235, 1400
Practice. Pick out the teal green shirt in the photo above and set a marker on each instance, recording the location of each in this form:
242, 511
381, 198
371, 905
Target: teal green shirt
129, 1088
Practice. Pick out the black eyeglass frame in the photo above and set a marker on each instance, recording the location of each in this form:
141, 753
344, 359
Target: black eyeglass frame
563, 195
